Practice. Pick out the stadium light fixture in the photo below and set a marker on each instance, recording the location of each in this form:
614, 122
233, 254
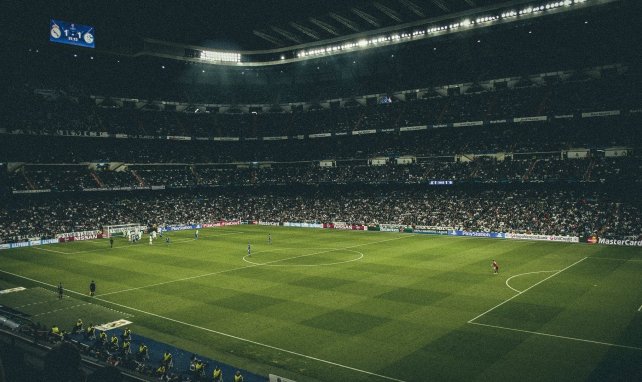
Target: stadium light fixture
210, 55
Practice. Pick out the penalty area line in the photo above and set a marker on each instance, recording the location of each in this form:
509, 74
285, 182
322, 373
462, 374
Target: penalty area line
525, 290
558, 336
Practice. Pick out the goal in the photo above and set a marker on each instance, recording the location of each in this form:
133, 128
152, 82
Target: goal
121, 229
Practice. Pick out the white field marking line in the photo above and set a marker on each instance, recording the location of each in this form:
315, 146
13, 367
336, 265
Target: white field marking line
523, 274
217, 332
557, 336
239, 268
614, 258
36, 303
525, 290
640, 308
57, 310
254, 342
269, 264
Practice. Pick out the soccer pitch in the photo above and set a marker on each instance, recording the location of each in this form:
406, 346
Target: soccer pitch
329, 305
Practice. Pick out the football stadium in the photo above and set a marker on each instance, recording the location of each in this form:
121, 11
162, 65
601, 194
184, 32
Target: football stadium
294, 191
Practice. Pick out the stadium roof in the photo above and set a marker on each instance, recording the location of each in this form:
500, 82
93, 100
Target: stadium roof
232, 24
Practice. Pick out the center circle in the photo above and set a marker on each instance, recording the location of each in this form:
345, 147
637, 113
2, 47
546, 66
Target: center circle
287, 254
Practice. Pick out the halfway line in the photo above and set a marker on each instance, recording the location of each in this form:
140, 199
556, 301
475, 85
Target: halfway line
244, 267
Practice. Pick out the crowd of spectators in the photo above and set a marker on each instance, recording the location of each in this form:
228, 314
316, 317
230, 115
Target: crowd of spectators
561, 212
56, 111
478, 170
448, 141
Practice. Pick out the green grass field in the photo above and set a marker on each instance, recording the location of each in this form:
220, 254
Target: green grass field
324, 305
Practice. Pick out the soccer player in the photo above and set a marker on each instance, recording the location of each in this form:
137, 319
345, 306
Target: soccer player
61, 291
269, 239
92, 288
111, 242
196, 235
150, 239
167, 240
249, 249
495, 267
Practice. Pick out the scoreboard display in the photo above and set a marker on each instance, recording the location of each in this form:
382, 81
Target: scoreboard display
63, 32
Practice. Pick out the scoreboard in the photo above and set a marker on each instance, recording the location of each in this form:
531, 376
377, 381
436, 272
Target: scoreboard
63, 32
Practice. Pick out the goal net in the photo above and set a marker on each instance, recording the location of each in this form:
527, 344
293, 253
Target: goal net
122, 229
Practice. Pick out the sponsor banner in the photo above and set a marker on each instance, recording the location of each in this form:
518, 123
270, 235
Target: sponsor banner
413, 128
565, 116
320, 135
298, 137
201, 138
11, 290
278, 138
222, 223
429, 231
303, 225
30, 243
113, 325
276, 378
439, 125
497, 235
162, 187
31, 191
531, 119
496, 121
341, 133
346, 226
558, 238
91, 236
179, 138
119, 135
251, 139
470, 123
261, 222
387, 130
605, 113
363, 132
621, 242
76, 234
182, 227
225, 138
391, 227
373, 227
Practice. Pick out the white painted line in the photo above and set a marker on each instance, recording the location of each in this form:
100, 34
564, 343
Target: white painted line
614, 258
522, 274
221, 333
57, 310
557, 336
237, 268
640, 308
527, 289
51, 250
254, 342
272, 263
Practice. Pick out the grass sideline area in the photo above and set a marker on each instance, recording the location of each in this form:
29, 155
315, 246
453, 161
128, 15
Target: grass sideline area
321, 305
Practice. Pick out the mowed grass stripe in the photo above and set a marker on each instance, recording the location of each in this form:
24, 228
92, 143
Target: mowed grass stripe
413, 295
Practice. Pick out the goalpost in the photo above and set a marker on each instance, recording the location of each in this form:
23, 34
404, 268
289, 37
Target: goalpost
121, 229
